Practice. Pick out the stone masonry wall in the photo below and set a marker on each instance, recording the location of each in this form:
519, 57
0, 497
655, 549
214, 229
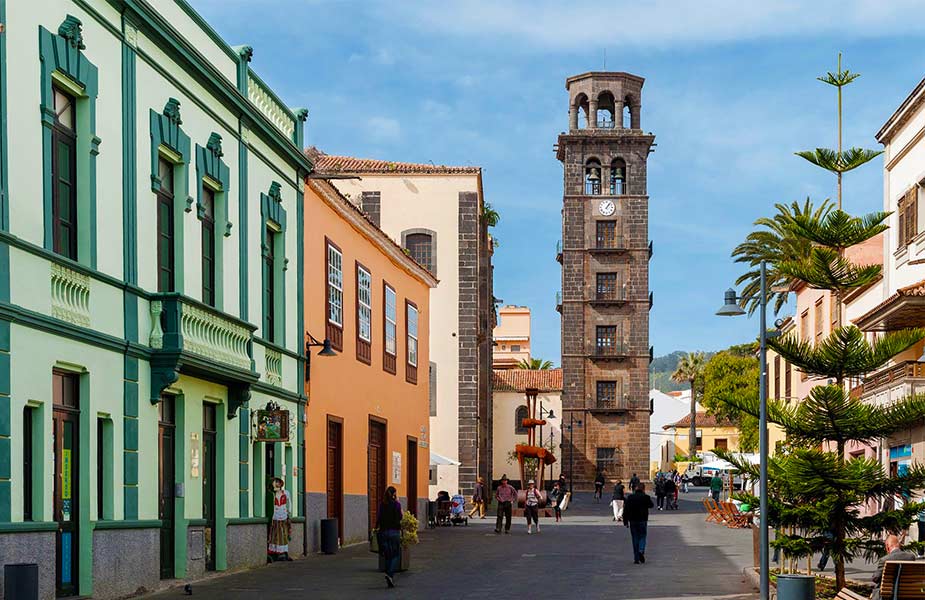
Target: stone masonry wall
467, 335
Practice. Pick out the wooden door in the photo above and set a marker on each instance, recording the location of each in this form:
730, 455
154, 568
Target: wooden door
411, 464
375, 474
335, 475
166, 482
208, 482
66, 423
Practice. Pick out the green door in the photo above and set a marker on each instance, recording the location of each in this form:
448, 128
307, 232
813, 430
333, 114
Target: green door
66, 417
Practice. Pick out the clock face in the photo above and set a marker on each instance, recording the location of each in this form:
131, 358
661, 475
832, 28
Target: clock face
606, 207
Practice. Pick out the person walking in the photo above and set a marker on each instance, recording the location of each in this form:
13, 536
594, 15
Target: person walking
671, 493
599, 486
388, 524
634, 481
616, 501
685, 482
716, 486
555, 498
478, 498
532, 507
660, 492
636, 517
506, 495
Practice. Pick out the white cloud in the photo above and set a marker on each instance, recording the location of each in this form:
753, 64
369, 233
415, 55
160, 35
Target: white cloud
658, 23
383, 128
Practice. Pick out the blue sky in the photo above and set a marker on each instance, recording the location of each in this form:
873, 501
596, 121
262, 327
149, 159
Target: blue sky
730, 94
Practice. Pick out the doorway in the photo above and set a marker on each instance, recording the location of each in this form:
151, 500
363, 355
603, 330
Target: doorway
412, 466
208, 482
66, 417
375, 470
166, 475
269, 464
335, 473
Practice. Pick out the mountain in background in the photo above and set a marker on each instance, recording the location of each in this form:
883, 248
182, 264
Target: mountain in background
661, 369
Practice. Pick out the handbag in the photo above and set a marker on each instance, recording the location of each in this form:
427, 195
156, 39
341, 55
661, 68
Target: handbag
374, 542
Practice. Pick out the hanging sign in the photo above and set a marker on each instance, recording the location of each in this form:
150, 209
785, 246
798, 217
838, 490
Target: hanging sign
194, 454
396, 467
273, 425
65, 474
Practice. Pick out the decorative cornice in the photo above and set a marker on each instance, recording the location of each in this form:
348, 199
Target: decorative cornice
275, 193
70, 30
245, 52
214, 145
172, 111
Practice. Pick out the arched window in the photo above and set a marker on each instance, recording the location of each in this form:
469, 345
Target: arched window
617, 177
581, 108
627, 113
421, 244
519, 415
606, 111
593, 177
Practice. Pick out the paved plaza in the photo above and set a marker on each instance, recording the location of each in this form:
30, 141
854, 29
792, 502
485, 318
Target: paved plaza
586, 556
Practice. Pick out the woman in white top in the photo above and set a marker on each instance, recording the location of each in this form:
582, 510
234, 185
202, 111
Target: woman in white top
532, 507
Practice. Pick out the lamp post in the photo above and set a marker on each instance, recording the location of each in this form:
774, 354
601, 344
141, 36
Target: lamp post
572, 421
312, 342
547, 414
731, 308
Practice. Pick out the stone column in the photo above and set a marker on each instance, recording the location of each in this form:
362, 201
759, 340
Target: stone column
592, 113
618, 113
634, 116
573, 117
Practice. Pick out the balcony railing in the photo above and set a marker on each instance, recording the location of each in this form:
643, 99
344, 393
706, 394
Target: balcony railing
188, 336
606, 124
559, 301
611, 404
618, 350
559, 251
904, 372
610, 243
270, 105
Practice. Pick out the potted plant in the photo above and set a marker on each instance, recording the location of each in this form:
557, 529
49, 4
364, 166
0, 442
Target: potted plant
409, 537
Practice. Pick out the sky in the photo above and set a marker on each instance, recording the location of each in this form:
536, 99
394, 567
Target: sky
730, 94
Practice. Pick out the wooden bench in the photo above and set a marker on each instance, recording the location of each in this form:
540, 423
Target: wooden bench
846, 594
903, 580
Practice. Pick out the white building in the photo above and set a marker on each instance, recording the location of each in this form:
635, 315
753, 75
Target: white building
667, 408
150, 296
435, 213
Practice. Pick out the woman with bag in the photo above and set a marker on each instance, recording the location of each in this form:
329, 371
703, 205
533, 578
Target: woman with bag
532, 507
388, 525
555, 498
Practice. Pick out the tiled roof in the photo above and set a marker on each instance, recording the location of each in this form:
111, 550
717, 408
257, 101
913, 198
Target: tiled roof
703, 420
520, 380
331, 164
916, 289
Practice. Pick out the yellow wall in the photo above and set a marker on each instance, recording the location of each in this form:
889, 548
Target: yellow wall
343, 386
709, 436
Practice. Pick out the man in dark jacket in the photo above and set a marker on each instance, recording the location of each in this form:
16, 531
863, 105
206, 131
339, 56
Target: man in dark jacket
636, 517
634, 481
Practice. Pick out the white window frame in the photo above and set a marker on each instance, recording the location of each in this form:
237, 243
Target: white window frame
364, 306
412, 327
335, 286
391, 321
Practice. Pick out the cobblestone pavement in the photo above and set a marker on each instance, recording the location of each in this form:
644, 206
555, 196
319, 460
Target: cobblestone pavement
585, 556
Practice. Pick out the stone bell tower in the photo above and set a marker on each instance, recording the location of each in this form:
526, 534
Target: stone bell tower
605, 297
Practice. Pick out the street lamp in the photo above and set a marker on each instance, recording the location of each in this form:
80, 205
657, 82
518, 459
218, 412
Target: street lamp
572, 421
548, 414
731, 308
312, 342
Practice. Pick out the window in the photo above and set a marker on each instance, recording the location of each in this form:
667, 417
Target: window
165, 227
364, 314
720, 444
820, 326
208, 245
606, 394
607, 235
411, 326
607, 341
606, 459
28, 463
421, 247
776, 376
609, 286
390, 329
519, 415
269, 285
64, 175
515, 348
908, 217
833, 311
787, 387
804, 326
593, 177
433, 389
432, 475
618, 177
335, 296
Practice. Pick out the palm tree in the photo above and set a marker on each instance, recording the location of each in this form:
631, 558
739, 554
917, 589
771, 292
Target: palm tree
774, 241
690, 369
490, 215
534, 364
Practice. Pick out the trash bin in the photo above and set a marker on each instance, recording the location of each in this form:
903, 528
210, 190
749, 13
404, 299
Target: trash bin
796, 587
21, 581
329, 536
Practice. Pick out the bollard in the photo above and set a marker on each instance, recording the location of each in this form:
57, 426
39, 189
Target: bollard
329, 536
21, 581
796, 587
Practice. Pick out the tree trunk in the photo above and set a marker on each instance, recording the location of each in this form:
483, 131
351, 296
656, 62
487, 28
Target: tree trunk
692, 436
838, 523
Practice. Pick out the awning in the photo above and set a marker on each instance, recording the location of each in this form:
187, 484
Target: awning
905, 308
437, 459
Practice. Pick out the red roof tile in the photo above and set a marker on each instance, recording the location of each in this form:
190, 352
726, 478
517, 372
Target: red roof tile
331, 164
703, 420
520, 380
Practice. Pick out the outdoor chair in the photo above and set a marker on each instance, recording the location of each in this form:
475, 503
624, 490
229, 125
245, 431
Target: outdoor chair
713, 512
903, 580
734, 517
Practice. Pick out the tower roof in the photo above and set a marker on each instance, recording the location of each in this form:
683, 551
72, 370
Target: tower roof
604, 75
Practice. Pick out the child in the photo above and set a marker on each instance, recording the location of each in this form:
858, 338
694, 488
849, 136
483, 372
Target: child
532, 507
280, 527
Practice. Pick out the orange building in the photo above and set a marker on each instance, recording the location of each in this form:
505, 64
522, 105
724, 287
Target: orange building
369, 406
